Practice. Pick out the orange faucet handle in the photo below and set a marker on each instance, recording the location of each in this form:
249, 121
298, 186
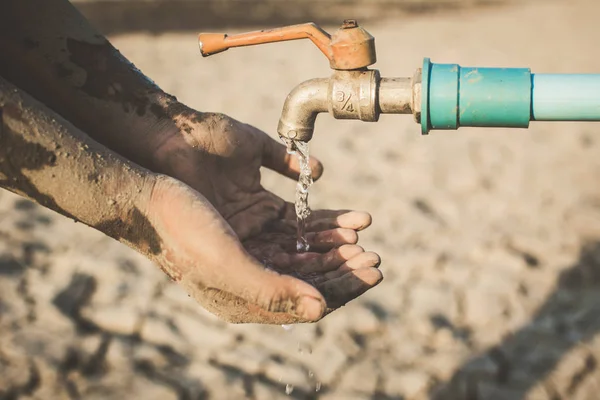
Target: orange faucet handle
350, 47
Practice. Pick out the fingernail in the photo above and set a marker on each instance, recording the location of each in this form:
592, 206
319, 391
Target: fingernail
309, 308
347, 251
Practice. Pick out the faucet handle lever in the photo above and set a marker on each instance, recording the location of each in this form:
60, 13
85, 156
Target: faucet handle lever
349, 48
212, 43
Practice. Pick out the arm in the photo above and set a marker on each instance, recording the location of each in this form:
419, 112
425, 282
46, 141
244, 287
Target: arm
215, 236
56, 56
45, 158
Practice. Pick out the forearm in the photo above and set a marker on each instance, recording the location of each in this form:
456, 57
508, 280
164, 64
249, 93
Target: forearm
48, 160
49, 49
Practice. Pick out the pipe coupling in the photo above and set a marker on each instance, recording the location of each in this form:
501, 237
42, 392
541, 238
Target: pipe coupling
353, 95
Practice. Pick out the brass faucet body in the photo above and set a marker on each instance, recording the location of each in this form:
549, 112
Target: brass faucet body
352, 92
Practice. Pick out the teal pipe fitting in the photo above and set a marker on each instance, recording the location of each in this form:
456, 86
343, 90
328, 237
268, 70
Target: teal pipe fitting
454, 96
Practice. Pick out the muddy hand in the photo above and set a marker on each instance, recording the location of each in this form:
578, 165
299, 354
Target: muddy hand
194, 231
267, 281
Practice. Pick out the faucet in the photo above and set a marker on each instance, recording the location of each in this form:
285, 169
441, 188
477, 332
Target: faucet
352, 92
439, 96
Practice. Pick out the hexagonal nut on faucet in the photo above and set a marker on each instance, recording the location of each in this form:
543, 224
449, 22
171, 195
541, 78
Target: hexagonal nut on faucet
352, 47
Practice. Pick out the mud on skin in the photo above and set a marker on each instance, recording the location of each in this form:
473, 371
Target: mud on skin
24, 168
17, 155
87, 187
71, 69
136, 229
110, 76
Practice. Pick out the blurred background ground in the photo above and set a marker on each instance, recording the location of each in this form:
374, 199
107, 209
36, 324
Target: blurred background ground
116, 16
490, 239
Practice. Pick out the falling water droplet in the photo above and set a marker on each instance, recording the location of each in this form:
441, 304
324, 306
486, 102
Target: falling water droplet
318, 387
289, 389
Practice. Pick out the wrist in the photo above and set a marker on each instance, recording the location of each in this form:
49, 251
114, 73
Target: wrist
162, 129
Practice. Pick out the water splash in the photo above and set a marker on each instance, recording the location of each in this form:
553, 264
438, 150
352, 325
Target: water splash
304, 348
311, 377
303, 211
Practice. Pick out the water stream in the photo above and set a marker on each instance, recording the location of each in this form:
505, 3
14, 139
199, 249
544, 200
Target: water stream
301, 202
301, 150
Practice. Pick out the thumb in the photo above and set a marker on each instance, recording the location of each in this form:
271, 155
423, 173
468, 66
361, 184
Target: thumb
272, 298
261, 296
294, 300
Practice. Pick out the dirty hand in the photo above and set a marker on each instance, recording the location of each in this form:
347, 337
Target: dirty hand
61, 60
232, 244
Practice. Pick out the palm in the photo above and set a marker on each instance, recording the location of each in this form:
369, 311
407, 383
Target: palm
227, 173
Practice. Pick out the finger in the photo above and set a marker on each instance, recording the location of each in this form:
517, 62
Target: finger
326, 240
362, 260
317, 241
290, 307
337, 292
289, 213
287, 295
325, 262
267, 297
276, 157
327, 219
261, 316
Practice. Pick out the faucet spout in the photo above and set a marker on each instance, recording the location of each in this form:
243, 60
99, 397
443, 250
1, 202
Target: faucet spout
360, 94
301, 108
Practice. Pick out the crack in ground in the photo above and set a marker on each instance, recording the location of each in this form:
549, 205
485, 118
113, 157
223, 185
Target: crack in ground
27, 389
590, 365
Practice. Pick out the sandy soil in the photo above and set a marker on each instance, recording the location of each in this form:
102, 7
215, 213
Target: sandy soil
490, 242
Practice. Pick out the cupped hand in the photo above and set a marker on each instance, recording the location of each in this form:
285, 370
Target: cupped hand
232, 244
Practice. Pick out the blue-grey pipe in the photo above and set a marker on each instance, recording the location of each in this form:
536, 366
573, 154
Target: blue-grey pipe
565, 97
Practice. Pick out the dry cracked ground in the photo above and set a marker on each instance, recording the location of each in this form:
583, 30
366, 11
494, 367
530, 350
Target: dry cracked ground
490, 242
